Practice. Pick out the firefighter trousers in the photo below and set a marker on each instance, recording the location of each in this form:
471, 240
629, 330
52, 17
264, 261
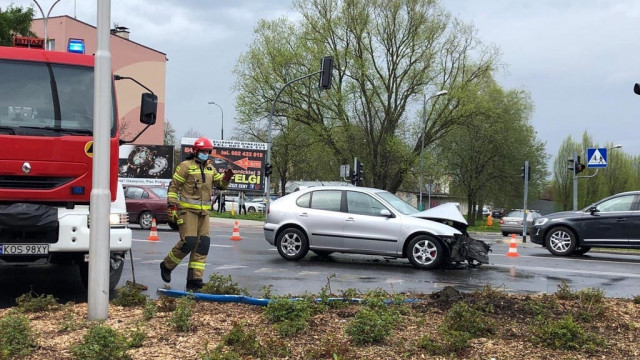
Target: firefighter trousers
194, 240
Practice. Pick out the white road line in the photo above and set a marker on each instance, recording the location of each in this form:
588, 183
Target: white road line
151, 241
574, 271
224, 246
304, 273
224, 267
267, 270
394, 281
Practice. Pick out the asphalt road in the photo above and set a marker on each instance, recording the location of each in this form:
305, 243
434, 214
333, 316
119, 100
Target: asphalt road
254, 265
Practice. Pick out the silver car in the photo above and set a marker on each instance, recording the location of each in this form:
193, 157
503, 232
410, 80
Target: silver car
360, 220
512, 223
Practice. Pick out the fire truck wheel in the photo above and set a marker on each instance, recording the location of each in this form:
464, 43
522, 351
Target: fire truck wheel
116, 265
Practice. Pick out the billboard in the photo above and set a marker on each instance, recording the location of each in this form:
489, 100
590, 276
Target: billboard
245, 158
145, 164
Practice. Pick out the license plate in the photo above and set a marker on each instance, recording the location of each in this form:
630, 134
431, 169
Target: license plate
24, 249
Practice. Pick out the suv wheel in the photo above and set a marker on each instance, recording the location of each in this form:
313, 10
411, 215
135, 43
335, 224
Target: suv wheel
561, 241
292, 244
425, 252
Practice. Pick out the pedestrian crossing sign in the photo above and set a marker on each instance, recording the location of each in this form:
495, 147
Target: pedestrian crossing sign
597, 158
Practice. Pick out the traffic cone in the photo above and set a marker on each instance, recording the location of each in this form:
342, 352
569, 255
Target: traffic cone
513, 249
153, 235
236, 232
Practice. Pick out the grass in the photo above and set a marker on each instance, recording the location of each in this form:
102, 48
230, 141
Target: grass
249, 216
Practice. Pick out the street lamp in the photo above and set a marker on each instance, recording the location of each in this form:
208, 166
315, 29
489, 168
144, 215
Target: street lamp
45, 19
424, 130
222, 126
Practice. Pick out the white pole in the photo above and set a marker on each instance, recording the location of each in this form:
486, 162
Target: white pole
45, 20
100, 200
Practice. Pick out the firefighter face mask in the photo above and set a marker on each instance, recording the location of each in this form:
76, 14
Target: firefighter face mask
202, 156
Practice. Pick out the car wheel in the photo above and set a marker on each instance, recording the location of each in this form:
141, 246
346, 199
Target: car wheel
116, 265
504, 233
581, 250
322, 253
145, 220
251, 209
173, 226
292, 244
425, 252
561, 241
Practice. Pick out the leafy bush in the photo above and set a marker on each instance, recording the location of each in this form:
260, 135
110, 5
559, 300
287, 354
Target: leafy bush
370, 326
290, 316
130, 295
181, 317
150, 310
222, 285
136, 337
219, 354
431, 346
565, 334
590, 304
31, 303
464, 318
564, 291
101, 342
636, 299
69, 322
17, 339
243, 342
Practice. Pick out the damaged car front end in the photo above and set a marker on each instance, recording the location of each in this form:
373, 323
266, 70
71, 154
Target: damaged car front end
462, 248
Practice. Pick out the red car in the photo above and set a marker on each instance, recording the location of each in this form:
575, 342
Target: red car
146, 202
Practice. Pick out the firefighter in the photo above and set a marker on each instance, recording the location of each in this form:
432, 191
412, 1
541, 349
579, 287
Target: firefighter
189, 204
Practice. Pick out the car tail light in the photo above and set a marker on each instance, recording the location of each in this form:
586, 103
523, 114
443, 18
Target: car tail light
501, 221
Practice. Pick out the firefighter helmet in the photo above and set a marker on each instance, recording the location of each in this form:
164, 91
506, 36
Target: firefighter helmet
202, 143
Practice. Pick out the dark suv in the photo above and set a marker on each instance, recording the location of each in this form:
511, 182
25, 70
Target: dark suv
498, 213
613, 222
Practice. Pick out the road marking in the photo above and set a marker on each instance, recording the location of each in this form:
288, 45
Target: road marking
304, 273
575, 271
266, 270
151, 241
224, 246
224, 267
394, 281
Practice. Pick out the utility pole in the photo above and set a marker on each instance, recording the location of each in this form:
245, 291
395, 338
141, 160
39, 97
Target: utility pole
526, 174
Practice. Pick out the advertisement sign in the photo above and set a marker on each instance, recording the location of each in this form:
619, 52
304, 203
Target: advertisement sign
145, 164
245, 158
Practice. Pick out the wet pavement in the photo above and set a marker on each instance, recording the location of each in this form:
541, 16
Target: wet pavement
255, 265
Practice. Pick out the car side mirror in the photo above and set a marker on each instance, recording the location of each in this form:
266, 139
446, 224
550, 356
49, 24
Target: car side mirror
386, 213
593, 210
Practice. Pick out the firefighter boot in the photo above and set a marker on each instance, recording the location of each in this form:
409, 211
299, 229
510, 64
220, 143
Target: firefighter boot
165, 273
194, 285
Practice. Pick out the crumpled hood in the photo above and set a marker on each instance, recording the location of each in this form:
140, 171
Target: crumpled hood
444, 213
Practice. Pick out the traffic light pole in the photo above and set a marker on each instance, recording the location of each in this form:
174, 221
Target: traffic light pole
526, 188
575, 183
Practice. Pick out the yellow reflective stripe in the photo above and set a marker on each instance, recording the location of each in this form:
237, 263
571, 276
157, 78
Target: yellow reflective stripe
180, 221
172, 194
196, 265
195, 207
217, 177
178, 178
174, 258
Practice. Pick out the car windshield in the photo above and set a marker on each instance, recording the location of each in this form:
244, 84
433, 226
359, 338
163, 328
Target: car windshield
160, 191
397, 203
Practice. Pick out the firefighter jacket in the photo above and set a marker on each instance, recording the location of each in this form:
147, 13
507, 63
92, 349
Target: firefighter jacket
192, 185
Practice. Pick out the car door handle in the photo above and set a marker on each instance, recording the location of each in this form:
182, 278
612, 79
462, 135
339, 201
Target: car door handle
621, 220
304, 214
349, 219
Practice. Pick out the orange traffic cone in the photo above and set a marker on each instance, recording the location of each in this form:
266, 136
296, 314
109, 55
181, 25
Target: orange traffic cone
153, 235
236, 232
513, 249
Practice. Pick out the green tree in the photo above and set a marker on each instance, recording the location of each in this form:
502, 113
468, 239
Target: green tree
14, 21
484, 156
387, 55
169, 134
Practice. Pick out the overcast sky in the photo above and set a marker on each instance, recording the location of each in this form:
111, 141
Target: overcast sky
579, 59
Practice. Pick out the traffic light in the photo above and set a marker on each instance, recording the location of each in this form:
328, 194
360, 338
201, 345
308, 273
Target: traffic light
360, 170
522, 174
576, 167
354, 177
326, 73
267, 169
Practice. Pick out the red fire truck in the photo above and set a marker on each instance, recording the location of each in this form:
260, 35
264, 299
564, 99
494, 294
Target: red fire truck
46, 149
